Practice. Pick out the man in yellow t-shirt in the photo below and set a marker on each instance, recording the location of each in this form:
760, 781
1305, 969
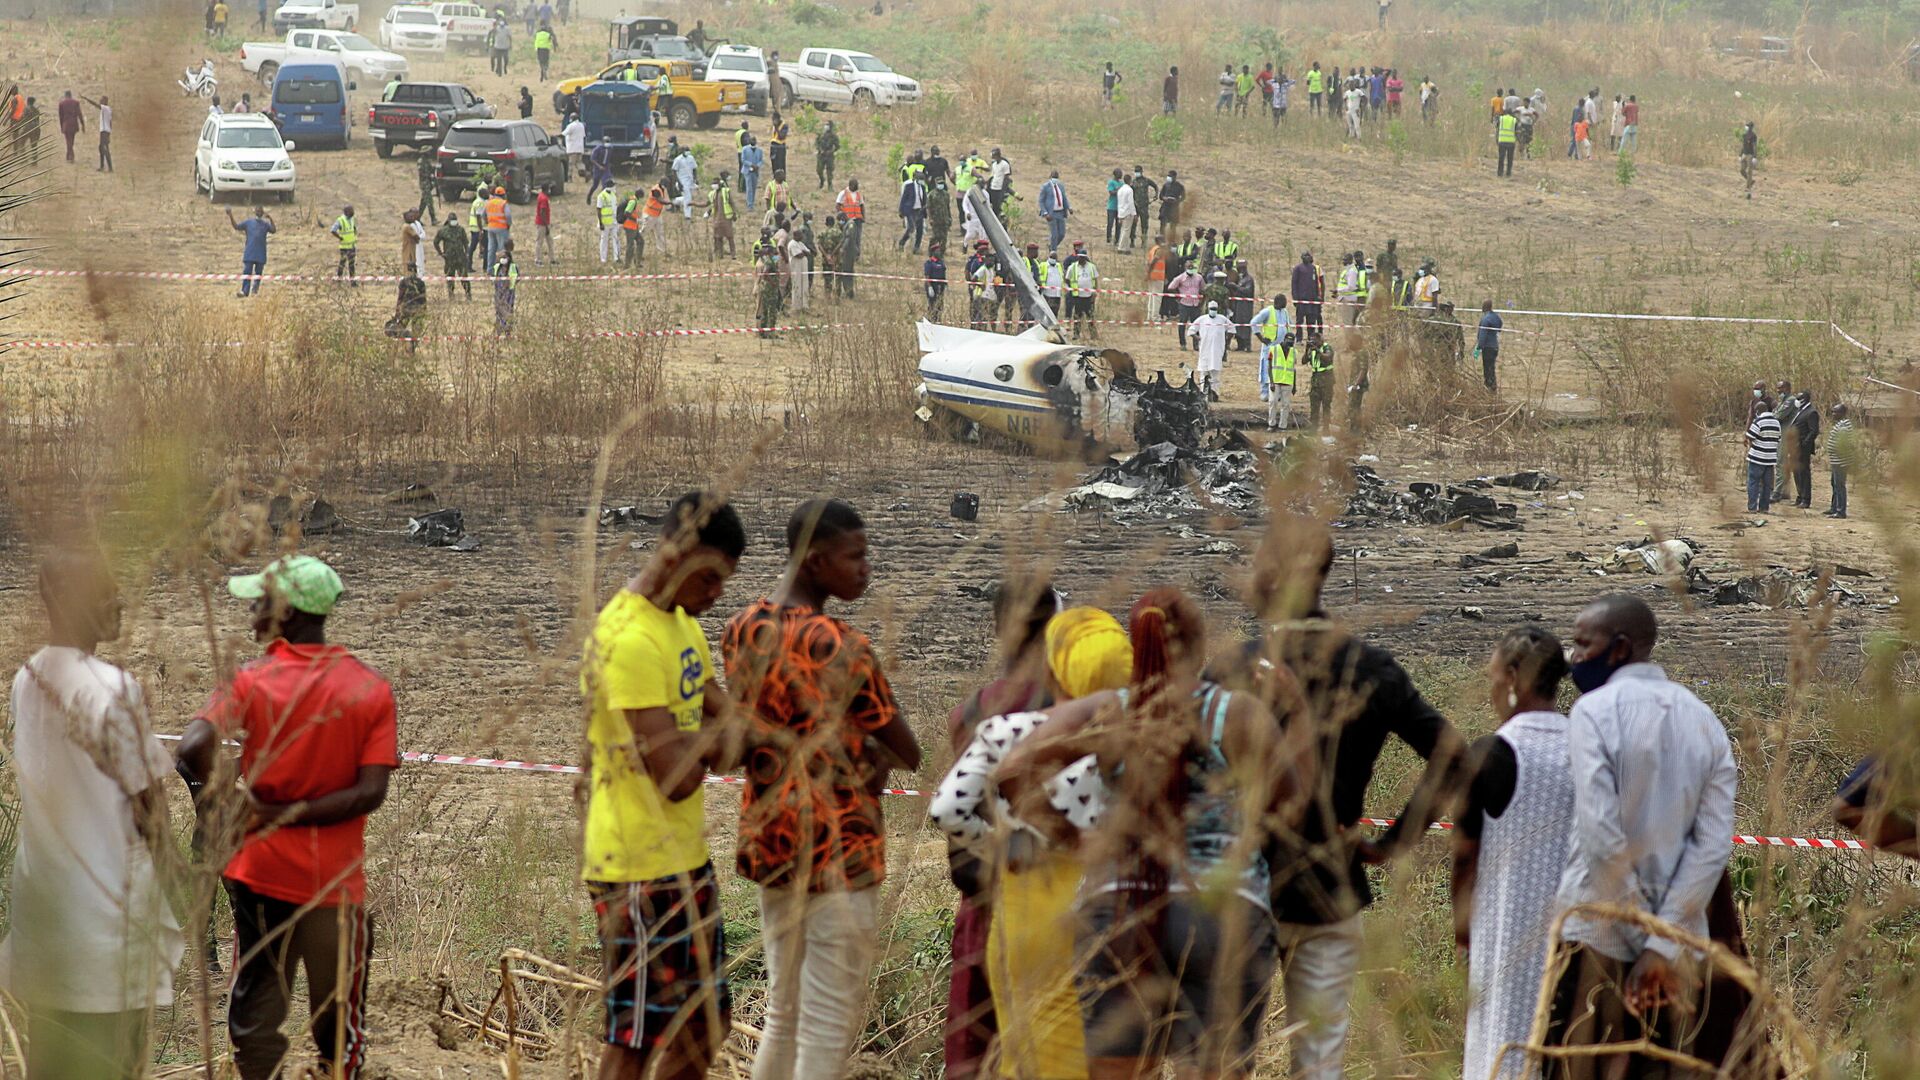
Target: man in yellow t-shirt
654, 729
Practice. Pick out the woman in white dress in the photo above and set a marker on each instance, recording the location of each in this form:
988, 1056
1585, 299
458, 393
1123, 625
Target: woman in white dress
1509, 848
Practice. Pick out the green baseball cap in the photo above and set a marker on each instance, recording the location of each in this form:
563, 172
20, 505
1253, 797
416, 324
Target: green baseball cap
304, 582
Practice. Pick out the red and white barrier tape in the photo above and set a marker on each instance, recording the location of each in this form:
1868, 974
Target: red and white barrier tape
1815, 843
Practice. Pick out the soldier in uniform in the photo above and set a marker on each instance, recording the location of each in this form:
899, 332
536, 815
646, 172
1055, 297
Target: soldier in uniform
832, 239
939, 213
455, 254
1320, 389
826, 146
768, 314
423, 169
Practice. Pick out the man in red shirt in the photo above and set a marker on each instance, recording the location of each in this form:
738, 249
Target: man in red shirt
317, 742
543, 226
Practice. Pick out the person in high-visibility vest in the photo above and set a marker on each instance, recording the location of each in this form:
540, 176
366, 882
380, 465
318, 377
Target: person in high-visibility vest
1508, 136
477, 226
1426, 290
499, 224
630, 227
1083, 282
1226, 249
653, 216
606, 204
543, 45
1316, 88
348, 233
853, 207
1276, 372
1320, 389
1401, 291
1270, 324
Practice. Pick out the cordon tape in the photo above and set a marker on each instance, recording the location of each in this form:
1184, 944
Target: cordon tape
1813, 843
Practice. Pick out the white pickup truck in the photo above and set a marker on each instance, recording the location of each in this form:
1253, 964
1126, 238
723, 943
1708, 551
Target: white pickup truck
845, 77
316, 15
363, 61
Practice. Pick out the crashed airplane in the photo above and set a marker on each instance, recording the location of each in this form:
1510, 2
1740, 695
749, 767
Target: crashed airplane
1037, 389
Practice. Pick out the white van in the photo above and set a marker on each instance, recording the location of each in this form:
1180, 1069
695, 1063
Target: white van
242, 152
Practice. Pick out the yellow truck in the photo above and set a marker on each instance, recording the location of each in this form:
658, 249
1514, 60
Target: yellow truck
687, 103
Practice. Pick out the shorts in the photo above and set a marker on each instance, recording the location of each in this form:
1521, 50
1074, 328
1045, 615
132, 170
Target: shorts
665, 960
1199, 994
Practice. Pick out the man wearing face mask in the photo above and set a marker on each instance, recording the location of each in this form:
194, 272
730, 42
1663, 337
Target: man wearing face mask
1654, 782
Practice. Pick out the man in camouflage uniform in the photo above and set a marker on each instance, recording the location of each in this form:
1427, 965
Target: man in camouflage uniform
832, 239
423, 169
455, 254
768, 314
939, 213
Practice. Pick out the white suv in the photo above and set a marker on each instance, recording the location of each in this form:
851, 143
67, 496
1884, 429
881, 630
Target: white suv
242, 152
409, 26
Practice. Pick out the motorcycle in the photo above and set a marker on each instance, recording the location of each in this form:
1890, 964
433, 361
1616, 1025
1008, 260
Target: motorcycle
200, 83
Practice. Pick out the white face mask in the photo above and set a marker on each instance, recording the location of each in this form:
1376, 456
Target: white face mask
1757, 393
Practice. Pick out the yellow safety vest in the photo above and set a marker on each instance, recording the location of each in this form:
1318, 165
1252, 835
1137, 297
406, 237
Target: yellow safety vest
348, 230
1315, 82
1226, 250
1360, 283
1269, 326
723, 201
543, 40
1280, 365
1509, 128
606, 201
477, 213
1320, 358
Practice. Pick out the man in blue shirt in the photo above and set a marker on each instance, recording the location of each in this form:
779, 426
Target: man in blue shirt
253, 257
1488, 343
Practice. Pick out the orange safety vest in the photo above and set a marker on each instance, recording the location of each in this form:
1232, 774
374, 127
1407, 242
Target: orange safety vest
496, 213
655, 204
632, 224
853, 204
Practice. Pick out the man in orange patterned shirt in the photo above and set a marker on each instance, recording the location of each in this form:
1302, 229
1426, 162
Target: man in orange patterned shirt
824, 731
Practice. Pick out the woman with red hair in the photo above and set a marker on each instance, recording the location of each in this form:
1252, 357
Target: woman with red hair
1176, 943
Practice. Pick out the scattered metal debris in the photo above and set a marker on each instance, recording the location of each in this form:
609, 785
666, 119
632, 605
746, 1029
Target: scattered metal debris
1425, 503
1475, 613
1779, 587
628, 515
965, 507
442, 528
1167, 480
412, 493
317, 519
1528, 480
1654, 557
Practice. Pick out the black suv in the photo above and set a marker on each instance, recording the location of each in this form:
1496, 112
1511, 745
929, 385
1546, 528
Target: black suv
520, 151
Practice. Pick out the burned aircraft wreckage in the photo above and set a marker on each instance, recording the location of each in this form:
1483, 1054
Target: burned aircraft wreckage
1037, 389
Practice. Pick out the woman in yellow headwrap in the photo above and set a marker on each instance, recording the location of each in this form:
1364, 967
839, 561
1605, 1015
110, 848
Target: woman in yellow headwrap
1030, 946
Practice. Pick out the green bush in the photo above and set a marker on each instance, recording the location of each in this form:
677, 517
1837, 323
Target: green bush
1623, 170
807, 120
1099, 135
1166, 133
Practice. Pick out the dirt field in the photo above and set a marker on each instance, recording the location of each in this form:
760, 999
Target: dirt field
480, 644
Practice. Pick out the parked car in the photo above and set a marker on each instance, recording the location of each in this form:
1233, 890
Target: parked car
309, 101
854, 78
746, 65
691, 103
419, 114
520, 150
622, 114
467, 25
409, 26
358, 57
625, 34
242, 152
315, 15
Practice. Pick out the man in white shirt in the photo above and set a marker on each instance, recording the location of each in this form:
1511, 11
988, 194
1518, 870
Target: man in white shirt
1126, 211
1654, 783
1211, 331
94, 944
999, 183
574, 135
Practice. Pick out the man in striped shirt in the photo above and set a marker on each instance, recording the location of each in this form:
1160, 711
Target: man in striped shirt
1763, 454
1842, 453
